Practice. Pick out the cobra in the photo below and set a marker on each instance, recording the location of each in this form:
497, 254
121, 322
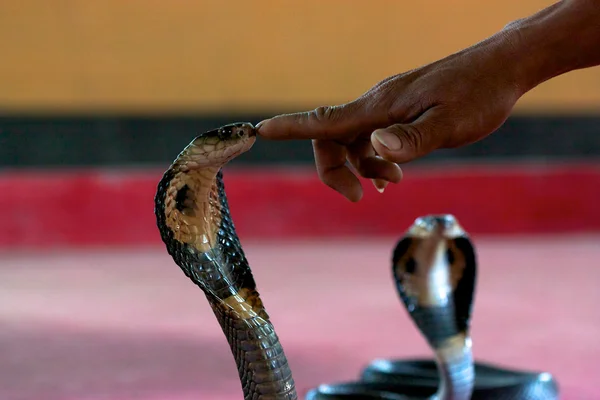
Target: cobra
433, 265
434, 269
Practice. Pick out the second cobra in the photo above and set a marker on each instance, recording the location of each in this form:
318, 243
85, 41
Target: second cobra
434, 269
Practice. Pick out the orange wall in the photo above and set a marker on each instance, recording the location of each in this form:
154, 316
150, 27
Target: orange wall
190, 55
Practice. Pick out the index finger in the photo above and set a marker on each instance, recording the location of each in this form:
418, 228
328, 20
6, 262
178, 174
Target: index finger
329, 122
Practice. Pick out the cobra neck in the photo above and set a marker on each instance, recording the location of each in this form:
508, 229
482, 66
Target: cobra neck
454, 359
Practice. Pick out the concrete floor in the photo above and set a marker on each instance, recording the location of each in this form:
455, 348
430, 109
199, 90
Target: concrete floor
127, 324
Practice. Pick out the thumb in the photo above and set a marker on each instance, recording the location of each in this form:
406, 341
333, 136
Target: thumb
401, 143
330, 122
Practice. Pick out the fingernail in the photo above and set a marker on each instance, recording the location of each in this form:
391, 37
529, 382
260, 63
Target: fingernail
388, 139
379, 184
257, 127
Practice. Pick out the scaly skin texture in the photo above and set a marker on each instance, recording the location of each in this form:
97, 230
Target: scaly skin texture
262, 365
195, 224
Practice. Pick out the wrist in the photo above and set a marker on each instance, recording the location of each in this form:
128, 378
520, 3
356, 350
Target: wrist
561, 38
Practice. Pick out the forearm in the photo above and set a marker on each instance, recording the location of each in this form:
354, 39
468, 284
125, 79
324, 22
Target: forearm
561, 38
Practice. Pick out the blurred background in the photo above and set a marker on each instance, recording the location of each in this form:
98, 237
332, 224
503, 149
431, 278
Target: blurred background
97, 98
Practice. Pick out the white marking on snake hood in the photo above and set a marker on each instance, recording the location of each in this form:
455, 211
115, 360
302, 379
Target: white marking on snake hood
437, 278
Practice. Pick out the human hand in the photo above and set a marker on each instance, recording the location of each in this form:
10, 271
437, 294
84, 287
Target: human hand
449, 103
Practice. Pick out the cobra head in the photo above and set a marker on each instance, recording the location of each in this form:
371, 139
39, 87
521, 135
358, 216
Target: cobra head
217, 147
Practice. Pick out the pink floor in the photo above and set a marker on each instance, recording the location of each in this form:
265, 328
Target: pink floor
127, 324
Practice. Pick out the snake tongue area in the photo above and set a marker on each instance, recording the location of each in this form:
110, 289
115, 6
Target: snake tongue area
199, 234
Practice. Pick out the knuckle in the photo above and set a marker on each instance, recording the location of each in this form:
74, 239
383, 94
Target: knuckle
392, 115
325, 114
413, 137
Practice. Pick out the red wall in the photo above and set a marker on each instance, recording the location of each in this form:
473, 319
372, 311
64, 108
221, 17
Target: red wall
96, 207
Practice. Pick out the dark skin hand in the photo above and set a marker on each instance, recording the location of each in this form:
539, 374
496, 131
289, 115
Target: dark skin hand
450, 103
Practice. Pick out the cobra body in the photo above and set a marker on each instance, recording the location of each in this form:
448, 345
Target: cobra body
195, 224
434, 269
